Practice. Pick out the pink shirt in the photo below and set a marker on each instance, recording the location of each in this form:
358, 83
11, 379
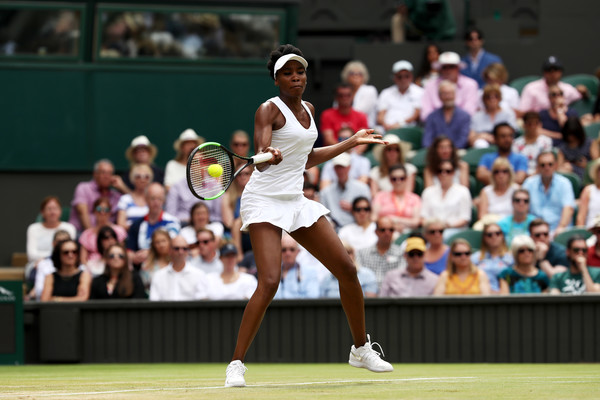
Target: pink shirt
88, 239
467, 96
388, 204
87, 193
535, 95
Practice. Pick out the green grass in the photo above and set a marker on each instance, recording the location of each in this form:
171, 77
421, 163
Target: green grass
302, 381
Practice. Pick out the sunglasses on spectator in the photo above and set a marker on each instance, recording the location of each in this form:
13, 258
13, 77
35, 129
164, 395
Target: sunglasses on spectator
521, 200
501, 171
434, 231
205, 241
177, 248
402, 76
383, 230
392, 148
101, 209
397, 178
493, 233
461, 253
449, 66
115, 255
108, 237
544, 165
141, 176
525, 250
445, 171
66, 252
239, 144
365, 209
415, 253
579, 250
540, 234
556, 94
290, 249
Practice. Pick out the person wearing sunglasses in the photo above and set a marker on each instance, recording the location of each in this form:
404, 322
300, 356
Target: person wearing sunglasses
531, 143
207, 258
461, 276
69, 282
580, 277
298, 281
117, 281
436, 255
555, 116
178, 281
574, 150
392, 153
493, 256
342, 114
414, 280
491, 114
518, 222
550, 256
361, 233
523, 276
495, 199
142, 151
551, 194
231, 283
133, 205
90, 254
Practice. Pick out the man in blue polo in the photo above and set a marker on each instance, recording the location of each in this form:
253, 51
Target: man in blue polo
477, 57
503, 135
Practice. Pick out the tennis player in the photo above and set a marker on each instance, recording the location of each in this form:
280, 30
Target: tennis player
273, 202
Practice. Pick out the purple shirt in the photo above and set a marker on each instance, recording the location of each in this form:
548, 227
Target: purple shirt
87, 193
466, 96
399, 283
457, 130
180, 201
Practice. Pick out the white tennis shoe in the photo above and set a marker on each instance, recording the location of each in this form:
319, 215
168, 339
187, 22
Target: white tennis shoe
366, 357
234, 375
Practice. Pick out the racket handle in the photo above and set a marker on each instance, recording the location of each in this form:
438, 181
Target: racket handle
261, 158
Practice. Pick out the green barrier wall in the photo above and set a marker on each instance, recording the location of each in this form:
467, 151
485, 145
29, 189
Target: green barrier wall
11, 323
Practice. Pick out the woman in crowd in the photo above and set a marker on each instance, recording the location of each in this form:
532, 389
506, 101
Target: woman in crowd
89, 238
441, 149
200, 219
106, 237
484, 120
427, 70
68, 282
330, 287
175, 170
40, 234
589, 201
574, 150
231, 284
462, 276
436, 255
133, 205
401, 205
360, 233
159, 256
448, 201
493, 257
523, 277
554, 118
117, 281
496, 74
141, 151
387, 155
496, 198
364, 96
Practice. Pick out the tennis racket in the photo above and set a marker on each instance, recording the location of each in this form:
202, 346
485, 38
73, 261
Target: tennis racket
210, 169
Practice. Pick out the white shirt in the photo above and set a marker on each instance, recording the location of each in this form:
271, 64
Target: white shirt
454, 206
399, 106
365, 100
241, 289
207, 266
190, 235
531, 150
174, 172
187, 284
39, 239
510, 98
359, 168
358, 237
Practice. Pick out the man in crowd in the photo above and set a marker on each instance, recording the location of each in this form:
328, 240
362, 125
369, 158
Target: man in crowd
477, 58
414, 279
550, 256
518, 222
579, 278
333, 119
208, 258
297, 281
503, 136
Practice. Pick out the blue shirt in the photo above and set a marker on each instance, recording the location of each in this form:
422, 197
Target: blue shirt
492, 266
518, 161
330, 286
437, 267
525, 284
475, 71
512, 228
457, 130
549, 205
300, 282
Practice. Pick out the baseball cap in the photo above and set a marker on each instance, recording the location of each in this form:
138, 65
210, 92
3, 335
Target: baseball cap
415, 243
551, 63
227, 249
402, 65
342, 160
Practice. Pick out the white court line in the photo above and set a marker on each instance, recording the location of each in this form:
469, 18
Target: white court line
437, 379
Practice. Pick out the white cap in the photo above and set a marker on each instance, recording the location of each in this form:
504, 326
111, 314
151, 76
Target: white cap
188, 134
448, 58
343, 160
402, 65
288, 57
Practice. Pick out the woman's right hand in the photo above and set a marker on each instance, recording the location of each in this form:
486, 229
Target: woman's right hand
277, 158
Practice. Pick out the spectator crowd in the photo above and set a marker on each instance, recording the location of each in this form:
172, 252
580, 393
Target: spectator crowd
499, 194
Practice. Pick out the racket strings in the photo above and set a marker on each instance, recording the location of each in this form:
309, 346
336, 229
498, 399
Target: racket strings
203, 183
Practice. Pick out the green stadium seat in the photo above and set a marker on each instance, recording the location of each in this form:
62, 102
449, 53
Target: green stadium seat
592, 130
64, 216
402, 238
472, 157
583, 106
412, 135
419, 185
564, 236
520, 83
575, 182
419, 159
589, 81
470, 235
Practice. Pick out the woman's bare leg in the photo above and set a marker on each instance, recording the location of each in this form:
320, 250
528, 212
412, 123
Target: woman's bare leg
322, 242
266, 244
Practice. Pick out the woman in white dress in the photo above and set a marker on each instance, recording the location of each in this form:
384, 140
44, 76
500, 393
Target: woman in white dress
231, 284
273, 202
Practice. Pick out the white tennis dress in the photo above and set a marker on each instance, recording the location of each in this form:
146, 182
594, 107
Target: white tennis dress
275, 195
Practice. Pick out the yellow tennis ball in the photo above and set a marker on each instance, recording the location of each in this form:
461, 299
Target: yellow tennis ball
215, 170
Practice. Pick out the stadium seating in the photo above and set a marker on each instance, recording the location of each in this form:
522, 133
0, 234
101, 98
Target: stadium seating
419, 160
520, 83
64, 216
575, 182
412, 135
583, 106
589, 81
472, 157
564, 236
592, 130
470, 235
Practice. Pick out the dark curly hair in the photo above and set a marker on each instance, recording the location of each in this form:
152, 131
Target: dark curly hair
56, 252
279, 52
433, 159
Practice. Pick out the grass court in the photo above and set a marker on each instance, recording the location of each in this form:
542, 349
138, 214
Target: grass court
301, 381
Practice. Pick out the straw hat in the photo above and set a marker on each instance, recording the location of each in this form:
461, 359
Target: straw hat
405, 147
140, 141
593, 169
188, 134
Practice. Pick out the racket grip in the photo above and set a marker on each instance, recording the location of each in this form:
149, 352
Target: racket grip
261, 158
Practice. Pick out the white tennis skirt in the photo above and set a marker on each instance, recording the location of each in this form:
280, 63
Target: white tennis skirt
286, 212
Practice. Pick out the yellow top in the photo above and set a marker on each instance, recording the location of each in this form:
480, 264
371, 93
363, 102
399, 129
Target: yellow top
469, 286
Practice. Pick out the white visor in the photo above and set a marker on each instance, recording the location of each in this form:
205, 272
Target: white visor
284, 59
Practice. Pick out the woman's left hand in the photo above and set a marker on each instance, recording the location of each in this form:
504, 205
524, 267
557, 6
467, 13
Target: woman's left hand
368, 136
